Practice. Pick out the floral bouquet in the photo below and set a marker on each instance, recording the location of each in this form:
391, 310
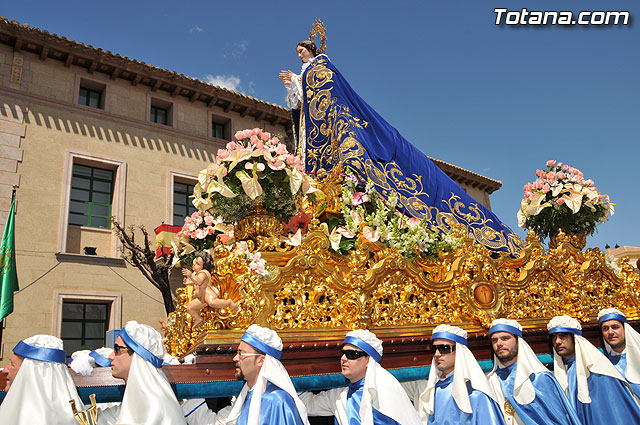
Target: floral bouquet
560, 198
254, 169
199, 233
365, 210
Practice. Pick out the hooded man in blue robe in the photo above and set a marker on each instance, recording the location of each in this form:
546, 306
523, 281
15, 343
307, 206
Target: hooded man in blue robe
622, 345
595, 388
529, 393
268, 396
457, 391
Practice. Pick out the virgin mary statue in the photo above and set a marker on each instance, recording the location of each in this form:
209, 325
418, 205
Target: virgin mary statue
338, 129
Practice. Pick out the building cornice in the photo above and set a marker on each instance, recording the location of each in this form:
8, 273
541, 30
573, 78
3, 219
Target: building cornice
47, 46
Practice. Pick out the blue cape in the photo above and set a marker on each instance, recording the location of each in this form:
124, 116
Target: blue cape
611, 400
620, 362
354, 399
341, 129
550, 407
485, 411
277, 407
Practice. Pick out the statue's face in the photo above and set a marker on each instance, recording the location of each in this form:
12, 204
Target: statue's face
197, 264
304, 54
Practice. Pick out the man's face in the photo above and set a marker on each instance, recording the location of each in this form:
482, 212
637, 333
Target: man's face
445, 362
356, 369
121, 361
11, 369
505, 346
247, 363
613, 334
564, 345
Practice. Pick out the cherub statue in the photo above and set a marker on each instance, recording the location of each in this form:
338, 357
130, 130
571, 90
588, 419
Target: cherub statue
204, 294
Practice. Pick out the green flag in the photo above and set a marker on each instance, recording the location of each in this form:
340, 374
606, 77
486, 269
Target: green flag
8, 273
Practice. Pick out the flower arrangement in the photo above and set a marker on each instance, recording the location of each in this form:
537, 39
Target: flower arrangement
560, 198
199, 233
365, 210
255, 168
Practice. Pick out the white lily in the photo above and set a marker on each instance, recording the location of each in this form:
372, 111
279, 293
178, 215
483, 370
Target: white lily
238, 156
295, 179
250, 185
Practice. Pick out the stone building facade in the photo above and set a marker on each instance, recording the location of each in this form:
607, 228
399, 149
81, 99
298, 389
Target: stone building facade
86, 134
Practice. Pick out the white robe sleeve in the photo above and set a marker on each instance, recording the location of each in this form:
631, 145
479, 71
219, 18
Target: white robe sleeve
294, 92
321, 404
109, 415
414, 389
197, 412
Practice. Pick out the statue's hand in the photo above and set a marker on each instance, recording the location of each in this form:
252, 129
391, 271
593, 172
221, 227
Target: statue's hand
285, 77
186, 272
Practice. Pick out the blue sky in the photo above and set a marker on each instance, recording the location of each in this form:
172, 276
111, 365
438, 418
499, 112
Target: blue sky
497, 100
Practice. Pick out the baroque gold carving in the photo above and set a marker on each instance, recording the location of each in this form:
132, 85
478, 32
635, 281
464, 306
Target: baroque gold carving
311, 290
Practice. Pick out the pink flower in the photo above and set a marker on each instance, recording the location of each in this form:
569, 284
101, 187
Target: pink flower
265, 136
561, 175
254, 139
247, 133
579, 178
528, 194
413, 222
223, 153
551, 163
278, 164
281, 149
546, 188
239, 135
259, 166
299, 222
588, 183
551, 176
211, 230
259, 144
208, 220
256, 131
290, 159
539, 173
565, 167
188, 220
224, 238
560, 201
359, 198
275, 140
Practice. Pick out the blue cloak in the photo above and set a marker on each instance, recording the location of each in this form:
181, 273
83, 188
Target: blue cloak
620, 362
485, 410
354, 398
550, 407
342, 130
611, 400
278, 407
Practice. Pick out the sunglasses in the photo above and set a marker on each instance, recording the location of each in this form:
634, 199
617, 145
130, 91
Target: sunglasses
443, 348
117, 348
353, 354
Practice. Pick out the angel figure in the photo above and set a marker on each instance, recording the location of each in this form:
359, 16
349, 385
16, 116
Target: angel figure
204, 294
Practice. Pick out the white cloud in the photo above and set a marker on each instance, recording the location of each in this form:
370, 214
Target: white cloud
195, 29
238, 49
230, 82
252, 87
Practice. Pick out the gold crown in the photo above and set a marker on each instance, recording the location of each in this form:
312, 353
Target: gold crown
319, 29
